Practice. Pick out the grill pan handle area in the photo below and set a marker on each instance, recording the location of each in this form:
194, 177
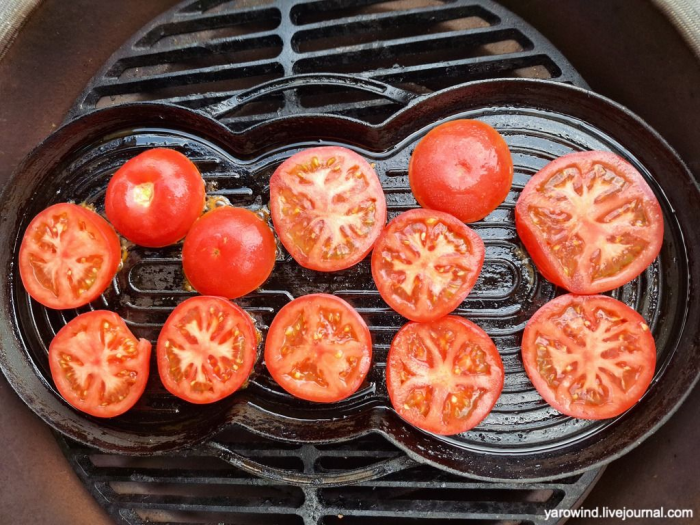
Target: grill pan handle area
387, 91
317, 479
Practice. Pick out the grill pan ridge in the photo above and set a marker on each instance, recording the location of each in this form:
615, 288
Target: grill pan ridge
523, 438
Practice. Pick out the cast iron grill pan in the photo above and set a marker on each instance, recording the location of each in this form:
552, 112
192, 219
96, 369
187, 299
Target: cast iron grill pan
523, 438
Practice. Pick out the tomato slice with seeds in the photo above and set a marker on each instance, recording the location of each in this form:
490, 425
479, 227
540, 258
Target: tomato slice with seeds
318, 348
98, 365
590, 357
590, 222
425, 263
444, 376
206, 349
68, 256
328, 207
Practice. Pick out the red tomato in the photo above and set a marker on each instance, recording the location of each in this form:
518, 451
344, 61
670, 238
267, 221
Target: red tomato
328, 207
590, 357
154, 198
590, 222
228, 252
463, 168
318, 348
98, 365
68, 256
444, 376
425, 263
206, 350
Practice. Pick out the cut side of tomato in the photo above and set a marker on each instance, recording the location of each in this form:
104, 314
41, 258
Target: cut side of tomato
328, 207
590, 357
68, 256
98, 365
425, 263
444, 376
155, 197
590, 222
206, 350
318, 348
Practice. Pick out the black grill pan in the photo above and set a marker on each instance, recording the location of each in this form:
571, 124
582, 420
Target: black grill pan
523, 439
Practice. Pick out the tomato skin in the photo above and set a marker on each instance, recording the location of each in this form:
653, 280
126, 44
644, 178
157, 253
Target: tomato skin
468, 359
155, 197
581, 333
463, 168
97, 240
351, 347
423, 309
204, 308
298, 196
129, 354
228, 252
593, 251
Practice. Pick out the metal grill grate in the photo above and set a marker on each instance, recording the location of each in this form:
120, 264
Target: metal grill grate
205, 51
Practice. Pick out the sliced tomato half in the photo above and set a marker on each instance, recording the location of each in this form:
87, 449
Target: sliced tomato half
444, 376
98, 365
590, 222
590, 357
328, 207
425, 263
69, 255
318, 348
206, 349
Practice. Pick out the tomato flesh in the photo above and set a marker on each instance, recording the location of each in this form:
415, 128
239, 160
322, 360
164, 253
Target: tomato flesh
228, 252
155, 197
590, 222
463, 168
444, 376
98, 365
590, 357
328, 207
68, 256
206, 350
425, 263
318, 348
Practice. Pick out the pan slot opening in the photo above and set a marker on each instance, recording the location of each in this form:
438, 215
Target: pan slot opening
350, 462
218, 517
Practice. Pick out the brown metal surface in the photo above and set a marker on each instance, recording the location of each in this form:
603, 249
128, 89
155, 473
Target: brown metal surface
624, 49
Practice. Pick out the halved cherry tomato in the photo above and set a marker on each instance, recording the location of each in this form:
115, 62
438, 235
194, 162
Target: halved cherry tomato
318, 348
425, 263
444, 376
68, 256
463, 168
155, 197
590, 357
98, 365
228, 252
328, 207
590, 222
206, 349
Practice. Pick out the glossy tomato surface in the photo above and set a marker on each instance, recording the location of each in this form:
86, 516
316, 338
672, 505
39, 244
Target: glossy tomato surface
68, 256
98, 365
590, 222
590, 357
318, 348
444, 376
463, 168
328, 207
155, 197
206, 349
228, 252
425, 263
